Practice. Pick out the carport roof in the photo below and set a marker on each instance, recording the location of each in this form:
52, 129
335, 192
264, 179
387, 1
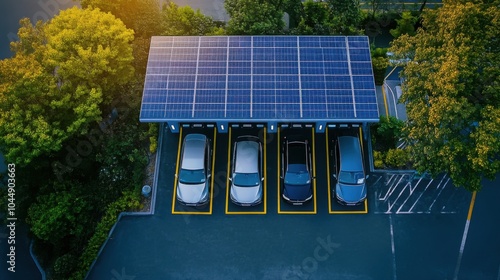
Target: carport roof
259, 78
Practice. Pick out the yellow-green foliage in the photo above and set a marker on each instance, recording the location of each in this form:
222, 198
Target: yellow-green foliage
153, 137
397, 158
378, 159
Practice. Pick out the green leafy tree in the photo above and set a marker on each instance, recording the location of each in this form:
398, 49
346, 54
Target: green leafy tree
315, 19
143, 16
184, 21
452, 91
345, 16
89, 49
58, 214
406, 25
250, 17
52, 89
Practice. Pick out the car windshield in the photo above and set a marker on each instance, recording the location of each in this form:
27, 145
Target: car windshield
351, 178
192, 176
297, 153
246, 179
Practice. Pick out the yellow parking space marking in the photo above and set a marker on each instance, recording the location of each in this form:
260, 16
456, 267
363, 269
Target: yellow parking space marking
314, 169
361, 141
174, 200
279, 180
228, 185
328, 171
385, 102
330, 203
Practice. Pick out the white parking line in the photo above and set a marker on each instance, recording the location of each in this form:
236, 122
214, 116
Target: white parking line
400, 193
444, 186
461, 252
408, 197
393, 250
422, 193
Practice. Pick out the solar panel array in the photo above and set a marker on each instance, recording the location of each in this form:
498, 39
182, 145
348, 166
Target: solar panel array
259, 78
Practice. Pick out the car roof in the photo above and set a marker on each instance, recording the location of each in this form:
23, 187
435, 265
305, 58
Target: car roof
194, 152
247, 157
350, 154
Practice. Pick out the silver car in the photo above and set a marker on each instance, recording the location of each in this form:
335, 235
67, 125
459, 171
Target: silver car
194, 173
246, 173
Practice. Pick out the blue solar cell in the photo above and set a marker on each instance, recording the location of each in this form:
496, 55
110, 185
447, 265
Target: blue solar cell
240, 54
286, 54
210, 96
334, 55
311, 54
238, 96
359, 54
309, 42
288, 111
152, 114
363, 82
287, 69
313, 96
263, 96
361, 68
263, 42
287, 96
264, 110
240, 42
332, 42
213, 42
285, 42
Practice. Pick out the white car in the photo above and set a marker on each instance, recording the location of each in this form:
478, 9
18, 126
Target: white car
194, 173
246, 172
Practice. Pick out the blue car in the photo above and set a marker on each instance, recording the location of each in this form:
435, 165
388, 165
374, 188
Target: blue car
350, 188
296, 171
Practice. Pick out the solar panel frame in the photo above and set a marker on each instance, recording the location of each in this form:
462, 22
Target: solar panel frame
270, 78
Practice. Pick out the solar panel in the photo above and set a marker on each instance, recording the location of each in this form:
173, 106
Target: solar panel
261, 78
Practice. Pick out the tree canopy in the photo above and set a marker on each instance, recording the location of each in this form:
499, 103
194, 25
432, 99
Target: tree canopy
452, 91
184, 21
250, 17
61, 73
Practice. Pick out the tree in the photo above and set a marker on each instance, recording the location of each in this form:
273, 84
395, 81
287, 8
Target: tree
58, 214
315, 19
61, 74
90, 49
143, 16
452, 91
250, 17
184, 21
345, 16
406, 25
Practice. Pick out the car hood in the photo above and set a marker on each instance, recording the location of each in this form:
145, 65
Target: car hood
246, 194
297, 192
351, 193
297, 174
190, 193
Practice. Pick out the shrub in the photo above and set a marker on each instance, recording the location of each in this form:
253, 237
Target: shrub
378, 159
64, 266
397, 158
387, 132
153, 137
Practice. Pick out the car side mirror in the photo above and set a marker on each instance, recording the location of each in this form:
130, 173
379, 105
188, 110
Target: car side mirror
334, 176
262, 179
175, 175
367, 176
230, 179
209, 175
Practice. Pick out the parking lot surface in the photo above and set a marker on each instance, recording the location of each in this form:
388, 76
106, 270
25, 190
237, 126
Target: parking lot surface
413, 229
